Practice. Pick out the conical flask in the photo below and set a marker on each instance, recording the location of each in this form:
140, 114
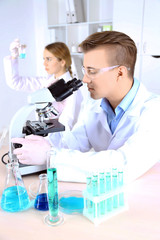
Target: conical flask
41, 201
14, 197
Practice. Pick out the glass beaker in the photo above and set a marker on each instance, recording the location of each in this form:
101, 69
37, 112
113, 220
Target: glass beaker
14, 197
54, 218
41, 201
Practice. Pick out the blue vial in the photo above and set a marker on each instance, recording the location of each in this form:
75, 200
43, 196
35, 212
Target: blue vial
22, 51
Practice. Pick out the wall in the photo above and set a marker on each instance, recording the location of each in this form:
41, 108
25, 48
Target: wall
25, 19
140, 19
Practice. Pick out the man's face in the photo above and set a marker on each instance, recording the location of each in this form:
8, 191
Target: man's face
103, 84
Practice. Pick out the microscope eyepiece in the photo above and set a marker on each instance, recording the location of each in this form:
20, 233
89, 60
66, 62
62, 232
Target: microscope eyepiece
61, 89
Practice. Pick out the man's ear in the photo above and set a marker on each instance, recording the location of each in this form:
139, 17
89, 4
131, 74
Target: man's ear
122, 71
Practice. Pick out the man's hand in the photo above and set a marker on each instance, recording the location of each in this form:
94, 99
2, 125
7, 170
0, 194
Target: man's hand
33, 150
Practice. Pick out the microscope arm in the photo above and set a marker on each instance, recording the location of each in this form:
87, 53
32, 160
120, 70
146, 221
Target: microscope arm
41, 96
17, 123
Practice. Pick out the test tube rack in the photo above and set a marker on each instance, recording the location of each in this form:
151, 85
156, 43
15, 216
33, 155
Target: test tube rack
105, 196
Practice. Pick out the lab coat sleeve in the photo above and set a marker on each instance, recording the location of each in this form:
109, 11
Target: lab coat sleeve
17, 82
137, 155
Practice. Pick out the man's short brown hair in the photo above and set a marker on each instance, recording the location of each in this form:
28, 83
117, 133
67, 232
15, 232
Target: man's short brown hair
124, 48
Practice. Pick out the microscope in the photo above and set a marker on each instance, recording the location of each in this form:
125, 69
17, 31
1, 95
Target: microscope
40, 101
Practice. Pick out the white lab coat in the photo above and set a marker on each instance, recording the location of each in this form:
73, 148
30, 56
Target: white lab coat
68, 109
135, 142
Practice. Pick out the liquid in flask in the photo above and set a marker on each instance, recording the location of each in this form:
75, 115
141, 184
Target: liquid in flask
14, 197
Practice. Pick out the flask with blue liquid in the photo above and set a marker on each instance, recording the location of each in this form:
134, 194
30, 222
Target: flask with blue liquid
41, 201
14, 197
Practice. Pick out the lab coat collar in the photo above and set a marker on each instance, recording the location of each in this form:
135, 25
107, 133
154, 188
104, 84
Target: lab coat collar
142, 96
133, 111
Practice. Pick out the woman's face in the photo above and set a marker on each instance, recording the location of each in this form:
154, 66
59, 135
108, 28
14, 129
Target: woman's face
52, 64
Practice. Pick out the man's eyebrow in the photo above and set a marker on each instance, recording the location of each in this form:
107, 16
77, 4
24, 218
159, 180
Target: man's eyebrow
90, 68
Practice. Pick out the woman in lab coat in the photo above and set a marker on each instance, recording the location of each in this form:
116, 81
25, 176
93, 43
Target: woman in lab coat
120, 124
57, 63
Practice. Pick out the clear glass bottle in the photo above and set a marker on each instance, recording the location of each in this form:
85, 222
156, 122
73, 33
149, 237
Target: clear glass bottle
14, 197
41, 201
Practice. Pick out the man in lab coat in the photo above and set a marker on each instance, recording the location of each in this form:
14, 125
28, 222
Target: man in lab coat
119, 125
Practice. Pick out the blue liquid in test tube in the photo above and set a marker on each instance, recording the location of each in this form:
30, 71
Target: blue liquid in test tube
114, 186
95, 193
108, 189
22, 51
22, 55
89, 203
102, 191
52, 191
120, 183
95, 185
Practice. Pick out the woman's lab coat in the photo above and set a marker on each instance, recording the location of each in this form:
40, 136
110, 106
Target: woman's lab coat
135, 142
68, 109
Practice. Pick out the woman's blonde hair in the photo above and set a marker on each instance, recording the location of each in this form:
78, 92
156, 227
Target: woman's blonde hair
61, 51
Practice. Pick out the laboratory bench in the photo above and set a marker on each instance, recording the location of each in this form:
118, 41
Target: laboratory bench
140, 221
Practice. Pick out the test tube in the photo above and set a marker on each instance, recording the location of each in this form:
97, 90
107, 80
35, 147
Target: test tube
54, 218
102, 191
95, 193
22, 51
101, 183
108, 189
114, 186
95, 184
89, 203
52, 191
120, 184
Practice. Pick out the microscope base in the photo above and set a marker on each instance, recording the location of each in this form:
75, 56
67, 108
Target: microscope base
29, 169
